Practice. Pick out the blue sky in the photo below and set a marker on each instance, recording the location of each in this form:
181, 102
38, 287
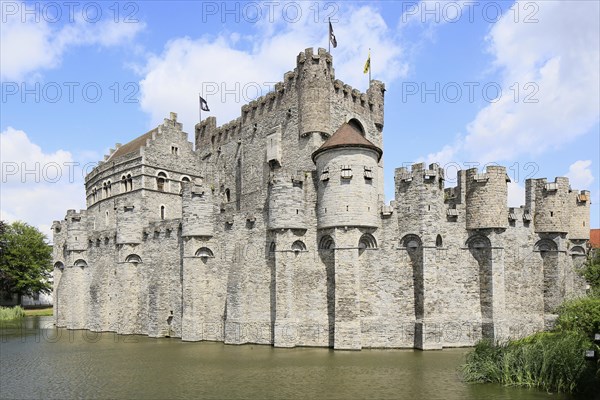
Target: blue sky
468, 83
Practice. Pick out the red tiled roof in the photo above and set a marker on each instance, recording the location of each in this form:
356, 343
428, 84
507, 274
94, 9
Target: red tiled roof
347, 136
134, 145
595, 238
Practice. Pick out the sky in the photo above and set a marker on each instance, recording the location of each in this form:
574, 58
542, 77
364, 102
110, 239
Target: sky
469, 83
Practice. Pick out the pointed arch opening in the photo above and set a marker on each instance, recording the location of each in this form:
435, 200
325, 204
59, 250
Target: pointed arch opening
355, 123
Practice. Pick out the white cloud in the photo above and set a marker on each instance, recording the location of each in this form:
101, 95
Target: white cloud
559, 56
46, 42
37, 187
554, 61
580, 174
221, 64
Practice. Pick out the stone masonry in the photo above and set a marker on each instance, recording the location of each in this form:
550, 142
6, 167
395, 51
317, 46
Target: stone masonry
273, 229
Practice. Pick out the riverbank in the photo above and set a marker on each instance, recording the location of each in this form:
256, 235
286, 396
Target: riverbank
552, 361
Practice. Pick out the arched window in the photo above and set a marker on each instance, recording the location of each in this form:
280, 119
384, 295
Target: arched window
298, 246
478, 242
326, 243
204, 252
227, 195
185, 179
59, 265
129, 182
545, 245
161, 180
162, 212
438, 241
272, 249
367, 241
133, 259
104, 191
123, 184
109, 188
411, 242
577, 251
80, 263
95, 195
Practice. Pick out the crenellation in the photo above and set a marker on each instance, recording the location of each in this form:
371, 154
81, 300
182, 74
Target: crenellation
275, 222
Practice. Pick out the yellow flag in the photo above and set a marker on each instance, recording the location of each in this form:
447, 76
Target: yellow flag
368, 64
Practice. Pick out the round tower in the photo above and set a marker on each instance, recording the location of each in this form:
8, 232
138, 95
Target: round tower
286, 201
420, 199
197, 210
486, 198
314, 82
348, 180
552, 205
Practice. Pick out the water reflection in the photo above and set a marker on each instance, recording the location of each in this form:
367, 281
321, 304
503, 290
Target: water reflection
40, 361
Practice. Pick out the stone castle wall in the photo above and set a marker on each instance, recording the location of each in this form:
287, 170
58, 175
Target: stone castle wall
246, 239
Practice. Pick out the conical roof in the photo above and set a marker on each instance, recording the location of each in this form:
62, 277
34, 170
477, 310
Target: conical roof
347, 136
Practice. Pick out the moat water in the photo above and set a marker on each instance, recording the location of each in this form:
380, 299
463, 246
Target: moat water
38, 361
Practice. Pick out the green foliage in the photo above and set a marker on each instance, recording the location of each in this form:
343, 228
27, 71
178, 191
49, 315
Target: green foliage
591, 271
549, 361
8, 313
25, 260
580, 315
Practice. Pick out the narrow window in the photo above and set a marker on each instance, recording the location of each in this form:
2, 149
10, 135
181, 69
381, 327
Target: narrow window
227, 195
129, 182
161, 179
368, 173
162, 212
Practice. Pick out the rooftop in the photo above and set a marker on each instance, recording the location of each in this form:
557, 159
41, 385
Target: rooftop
347, 136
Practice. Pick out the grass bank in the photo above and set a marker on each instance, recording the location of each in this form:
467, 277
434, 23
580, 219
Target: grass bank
39, 312
552, 361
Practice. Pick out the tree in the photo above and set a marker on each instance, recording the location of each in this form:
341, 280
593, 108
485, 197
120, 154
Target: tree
591, 271
25, 260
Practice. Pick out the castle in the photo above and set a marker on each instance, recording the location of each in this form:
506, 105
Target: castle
273, 229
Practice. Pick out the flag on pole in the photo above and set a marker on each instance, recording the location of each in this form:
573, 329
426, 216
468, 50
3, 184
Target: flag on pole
368, 64
332, 38
203, 104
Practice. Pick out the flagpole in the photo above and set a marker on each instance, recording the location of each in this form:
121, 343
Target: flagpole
329, 37
199, 107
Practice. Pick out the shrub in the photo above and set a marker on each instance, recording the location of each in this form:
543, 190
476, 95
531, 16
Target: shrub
580, 315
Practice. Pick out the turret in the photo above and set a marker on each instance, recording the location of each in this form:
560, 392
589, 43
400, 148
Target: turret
375, 93
198, 211
129, 220
580, 215
348, 180
286, 201
552, 212
315, 84
486, 198
420, 198
76, 231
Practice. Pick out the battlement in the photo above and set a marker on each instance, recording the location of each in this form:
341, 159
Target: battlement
419, 174
314, 87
